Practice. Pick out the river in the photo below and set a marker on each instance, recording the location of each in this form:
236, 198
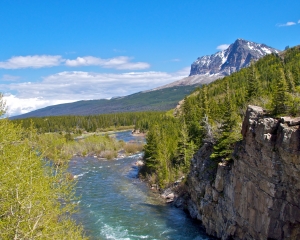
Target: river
115, 204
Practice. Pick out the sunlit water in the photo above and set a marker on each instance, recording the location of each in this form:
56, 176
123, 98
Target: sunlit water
115, 204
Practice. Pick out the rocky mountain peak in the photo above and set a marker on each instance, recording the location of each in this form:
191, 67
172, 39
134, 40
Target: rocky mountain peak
238, 55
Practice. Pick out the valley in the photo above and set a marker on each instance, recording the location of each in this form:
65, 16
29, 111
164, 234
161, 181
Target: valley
231, 151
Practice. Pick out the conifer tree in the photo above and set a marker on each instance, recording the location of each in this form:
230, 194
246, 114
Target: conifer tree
290, 81
186, 147
151, 149
204, 100
224, 145
279, 95
253, 85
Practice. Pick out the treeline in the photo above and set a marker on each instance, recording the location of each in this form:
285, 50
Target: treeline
78, 124
213, 114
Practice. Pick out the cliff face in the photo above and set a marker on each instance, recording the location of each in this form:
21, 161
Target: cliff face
258, 195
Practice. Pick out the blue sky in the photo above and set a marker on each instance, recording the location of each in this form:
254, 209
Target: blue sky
62, 51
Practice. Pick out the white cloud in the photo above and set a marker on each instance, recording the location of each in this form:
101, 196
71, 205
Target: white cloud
175, 60
71, 86
121, 62
17, 106
40, 61
298, 21
118, 50
288, 24
7, 77
223, 47
83, 61
35, 61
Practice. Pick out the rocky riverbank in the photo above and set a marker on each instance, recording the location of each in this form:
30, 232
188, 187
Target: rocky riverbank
257, 195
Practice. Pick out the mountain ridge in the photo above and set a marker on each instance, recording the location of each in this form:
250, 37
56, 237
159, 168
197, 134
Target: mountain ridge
159, 100
209, 68
204, 70
237, 56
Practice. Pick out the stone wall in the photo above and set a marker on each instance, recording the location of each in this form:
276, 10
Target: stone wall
257, 196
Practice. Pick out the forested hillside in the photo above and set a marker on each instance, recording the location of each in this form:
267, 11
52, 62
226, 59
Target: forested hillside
213, 114
93, 123
155, 100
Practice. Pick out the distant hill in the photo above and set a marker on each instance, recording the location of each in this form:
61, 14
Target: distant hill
158, 100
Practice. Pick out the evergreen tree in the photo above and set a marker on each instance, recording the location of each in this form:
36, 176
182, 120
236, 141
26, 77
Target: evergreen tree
290, 81
151, 149
224, 145
253, 85
185, 148
279, 96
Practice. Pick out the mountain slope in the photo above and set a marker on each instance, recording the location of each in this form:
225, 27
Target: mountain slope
204, 70
159, 100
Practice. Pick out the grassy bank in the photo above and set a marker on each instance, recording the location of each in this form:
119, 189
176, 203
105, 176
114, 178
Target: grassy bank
62, 147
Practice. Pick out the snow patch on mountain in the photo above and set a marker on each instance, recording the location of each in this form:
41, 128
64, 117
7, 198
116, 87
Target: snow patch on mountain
238, 55
209, 68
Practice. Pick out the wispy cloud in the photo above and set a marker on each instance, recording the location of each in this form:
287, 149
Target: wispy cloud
298, 21
223, 47
35, 61
41, 61
287, 24
7, 77
119, 50
71, 86
175, 60
121, 62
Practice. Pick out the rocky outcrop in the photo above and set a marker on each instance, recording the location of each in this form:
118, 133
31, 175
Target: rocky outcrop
257, 196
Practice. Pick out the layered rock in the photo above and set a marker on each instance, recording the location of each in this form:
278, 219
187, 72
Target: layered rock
257, 196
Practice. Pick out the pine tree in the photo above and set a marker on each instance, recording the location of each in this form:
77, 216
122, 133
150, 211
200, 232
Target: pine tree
224, 145
151, 149
253, 85
279, 96
186, 147
290, 81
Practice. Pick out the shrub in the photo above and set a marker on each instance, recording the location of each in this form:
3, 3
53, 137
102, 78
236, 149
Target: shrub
133, 147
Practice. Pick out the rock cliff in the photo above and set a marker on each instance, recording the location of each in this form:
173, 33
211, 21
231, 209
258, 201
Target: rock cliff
257, 196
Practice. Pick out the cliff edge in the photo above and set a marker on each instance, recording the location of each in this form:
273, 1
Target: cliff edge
257, 196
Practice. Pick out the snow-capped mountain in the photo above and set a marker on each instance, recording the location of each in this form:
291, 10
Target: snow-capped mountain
209, 68
238, 55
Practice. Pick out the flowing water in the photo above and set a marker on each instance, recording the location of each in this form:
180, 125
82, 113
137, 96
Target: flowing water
115, 204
